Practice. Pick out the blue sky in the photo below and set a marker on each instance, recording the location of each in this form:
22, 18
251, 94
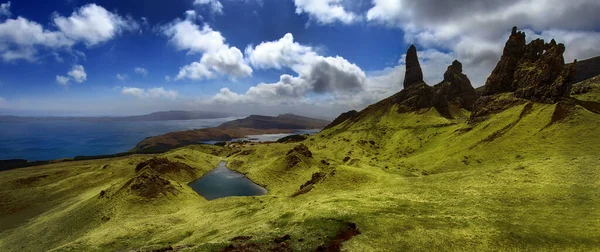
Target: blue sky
313, 57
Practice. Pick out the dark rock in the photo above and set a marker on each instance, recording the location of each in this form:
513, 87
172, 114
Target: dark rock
457, 87
440, 103
151, 186
302, 150
535, 71
282, 238
501, 79
343, 235
414, 74
341, 118
306, 187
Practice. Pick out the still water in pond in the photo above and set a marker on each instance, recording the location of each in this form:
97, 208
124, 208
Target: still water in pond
223, 182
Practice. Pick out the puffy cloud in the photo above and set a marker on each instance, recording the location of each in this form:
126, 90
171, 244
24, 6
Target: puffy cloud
62, 80
122, 77
149, 93
91, 24
78, 74
325, 11
20, 37
215, 5
279, 54
475, 31
217, 56
317, 75
5, 9
141, 71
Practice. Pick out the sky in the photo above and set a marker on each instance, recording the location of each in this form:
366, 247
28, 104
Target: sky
308, 57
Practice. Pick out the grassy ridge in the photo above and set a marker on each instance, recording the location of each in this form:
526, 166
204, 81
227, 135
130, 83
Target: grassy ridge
412, 181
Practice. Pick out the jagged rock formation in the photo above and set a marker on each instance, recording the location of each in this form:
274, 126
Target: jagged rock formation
456, 87
341, 118
414, 74
455, 91
534, 71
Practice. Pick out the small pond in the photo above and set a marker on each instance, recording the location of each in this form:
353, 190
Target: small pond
223, 182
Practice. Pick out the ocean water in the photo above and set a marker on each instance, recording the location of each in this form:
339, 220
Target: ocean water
49, 140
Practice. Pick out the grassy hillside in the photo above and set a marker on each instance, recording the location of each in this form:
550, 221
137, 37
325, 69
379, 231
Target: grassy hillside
527, 178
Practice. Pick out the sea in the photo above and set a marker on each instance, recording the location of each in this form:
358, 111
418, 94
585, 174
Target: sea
56, 139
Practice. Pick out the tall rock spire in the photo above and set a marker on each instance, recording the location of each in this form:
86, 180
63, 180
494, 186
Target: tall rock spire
414, 74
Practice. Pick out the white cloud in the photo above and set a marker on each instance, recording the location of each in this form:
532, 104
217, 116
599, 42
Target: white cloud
326, 11
149, 93
93, 24
90, 24
122, 77
217, 56
475, 31
5, 9
78, 74
168, 78
215, 5
317, 75
62, 80
141, 71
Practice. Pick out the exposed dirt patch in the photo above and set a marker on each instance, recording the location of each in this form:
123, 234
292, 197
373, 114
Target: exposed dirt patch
164, 166
278, 244
306, 187
302, 150
151, 186
343, 235
291, 161
561, 112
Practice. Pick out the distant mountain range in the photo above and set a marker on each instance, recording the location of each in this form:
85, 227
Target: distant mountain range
156, 116
251, 125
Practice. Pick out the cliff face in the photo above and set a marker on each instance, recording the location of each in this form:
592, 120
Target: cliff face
534, 71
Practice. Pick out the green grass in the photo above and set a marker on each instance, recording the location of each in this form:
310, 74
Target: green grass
425, 183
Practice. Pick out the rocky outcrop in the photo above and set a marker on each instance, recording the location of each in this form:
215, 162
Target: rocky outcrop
456, 87
341, 118
455, 91
414, 74
534, 71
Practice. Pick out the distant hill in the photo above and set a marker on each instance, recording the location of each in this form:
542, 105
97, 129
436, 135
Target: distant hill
251, 125
156, 116
285, 121
586, 69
